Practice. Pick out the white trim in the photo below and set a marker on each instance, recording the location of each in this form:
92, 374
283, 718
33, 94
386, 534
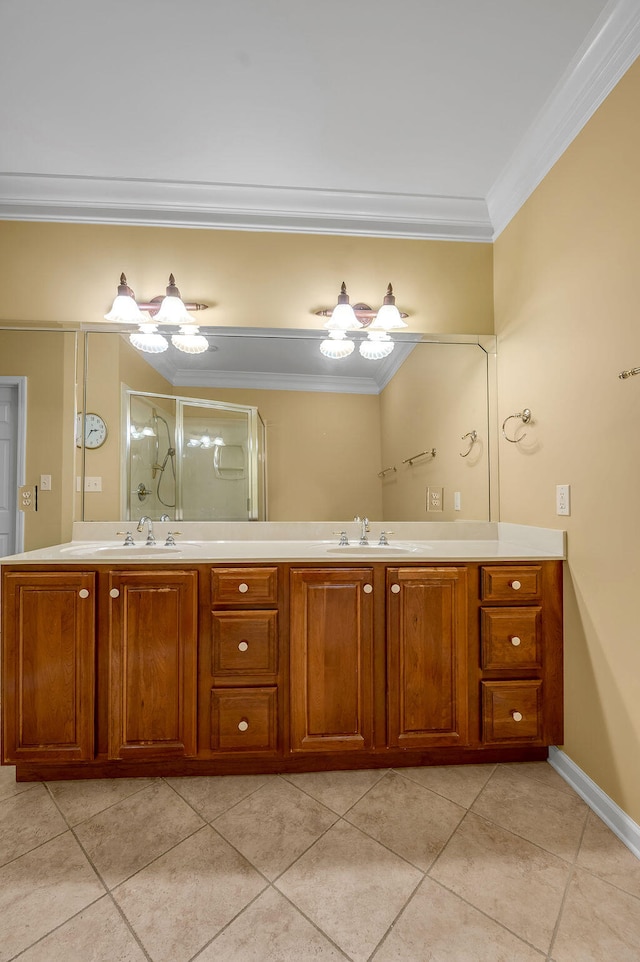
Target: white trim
605, 56
605, 808
20, 382
40, 197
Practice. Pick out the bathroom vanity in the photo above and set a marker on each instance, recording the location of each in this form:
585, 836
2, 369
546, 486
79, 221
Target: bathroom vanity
228, 655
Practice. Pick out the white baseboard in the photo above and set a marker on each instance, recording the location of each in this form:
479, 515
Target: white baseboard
605, 808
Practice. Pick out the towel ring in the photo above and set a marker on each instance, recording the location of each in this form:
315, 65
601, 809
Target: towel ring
474, 437
525, 417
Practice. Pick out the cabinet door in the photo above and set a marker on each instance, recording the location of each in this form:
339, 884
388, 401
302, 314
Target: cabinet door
153, 658
48, 658
427, 657
331, 659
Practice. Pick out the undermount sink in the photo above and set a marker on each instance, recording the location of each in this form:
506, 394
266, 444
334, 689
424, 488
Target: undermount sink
371, 548
123, 550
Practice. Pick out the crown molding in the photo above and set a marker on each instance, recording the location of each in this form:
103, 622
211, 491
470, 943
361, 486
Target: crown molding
605, 56
37, 197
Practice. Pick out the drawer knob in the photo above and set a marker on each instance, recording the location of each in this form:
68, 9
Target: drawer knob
515, 641
114, 593
84, 593
243, 587
243, 725
243, 645
368, 589
395, 589
517, 716
516, 585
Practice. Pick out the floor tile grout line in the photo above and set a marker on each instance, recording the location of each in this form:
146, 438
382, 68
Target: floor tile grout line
296, 908
383, 772
517, 935
565, 895
402, 771
568, 860
397, 916
226, 810
29, 851
136, 791
56, 928
108, 891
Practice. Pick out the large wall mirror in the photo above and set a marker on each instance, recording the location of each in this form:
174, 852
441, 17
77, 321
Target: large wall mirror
329, 439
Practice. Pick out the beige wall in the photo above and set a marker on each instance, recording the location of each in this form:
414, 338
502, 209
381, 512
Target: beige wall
47, 361
567, 295
65, 273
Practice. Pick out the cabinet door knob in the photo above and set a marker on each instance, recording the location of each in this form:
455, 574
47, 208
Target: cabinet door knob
243, 587
84, 593
243, 645
243, 725
395, 589
515, 641
516, 585
368, 589
114, 593
517, 716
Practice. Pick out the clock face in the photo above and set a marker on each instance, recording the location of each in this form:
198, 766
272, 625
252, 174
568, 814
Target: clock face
95, 430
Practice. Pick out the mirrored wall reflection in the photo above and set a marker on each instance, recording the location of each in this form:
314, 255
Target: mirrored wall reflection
194, 460
330, 431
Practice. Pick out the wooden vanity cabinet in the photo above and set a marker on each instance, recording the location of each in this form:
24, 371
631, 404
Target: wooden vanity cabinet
521, 689
331, 659
236, 668
152, 650
427, 657
48, 660
240, 669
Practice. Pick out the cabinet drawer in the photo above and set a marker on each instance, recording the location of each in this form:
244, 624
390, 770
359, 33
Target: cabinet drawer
511, 711
513, 583
244, 719
245, 643
244, 586
511, 638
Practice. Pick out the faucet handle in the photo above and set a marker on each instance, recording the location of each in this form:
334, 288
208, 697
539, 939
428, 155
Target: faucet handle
383, 537
343, 537
128, 537
171, 539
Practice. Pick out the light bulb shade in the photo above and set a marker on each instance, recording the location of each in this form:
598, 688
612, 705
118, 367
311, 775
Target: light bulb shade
337, 345
125, 311
172, 309
377, 345
147, 339
189, 340
343, 317
388, 317
124, 308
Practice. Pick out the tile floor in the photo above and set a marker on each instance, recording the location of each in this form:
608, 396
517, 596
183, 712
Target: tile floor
463, 864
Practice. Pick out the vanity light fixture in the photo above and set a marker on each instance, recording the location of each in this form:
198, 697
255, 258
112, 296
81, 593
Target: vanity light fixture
343, 318
169, 309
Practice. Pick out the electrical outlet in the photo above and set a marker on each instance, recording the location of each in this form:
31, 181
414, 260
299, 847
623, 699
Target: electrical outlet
45, 482
92, 484
563, 499
28, 497
434, 499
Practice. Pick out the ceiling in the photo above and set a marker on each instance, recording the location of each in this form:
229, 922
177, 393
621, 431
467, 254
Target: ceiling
417, 118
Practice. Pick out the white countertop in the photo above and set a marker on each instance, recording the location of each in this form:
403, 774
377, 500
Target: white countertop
219, 542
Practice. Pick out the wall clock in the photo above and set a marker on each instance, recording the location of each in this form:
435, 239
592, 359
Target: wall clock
95, 430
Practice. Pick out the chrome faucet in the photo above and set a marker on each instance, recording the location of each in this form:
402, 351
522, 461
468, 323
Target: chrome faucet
364, 527
141, 523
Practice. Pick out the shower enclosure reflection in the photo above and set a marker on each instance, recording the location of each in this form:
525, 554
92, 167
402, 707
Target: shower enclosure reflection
192, 459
